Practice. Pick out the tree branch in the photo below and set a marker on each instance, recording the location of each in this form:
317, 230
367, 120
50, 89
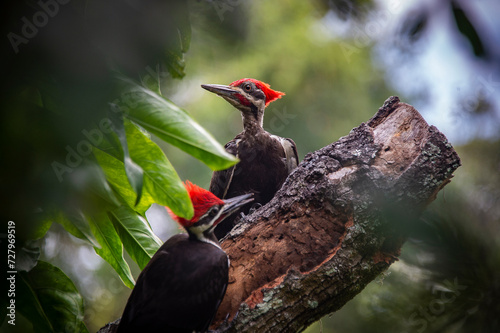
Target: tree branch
330, 230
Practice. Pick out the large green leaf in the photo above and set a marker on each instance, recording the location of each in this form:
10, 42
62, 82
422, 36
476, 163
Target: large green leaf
172, 124
161, 180
111, 247
162, 185
136, 234
114, 170
49, 299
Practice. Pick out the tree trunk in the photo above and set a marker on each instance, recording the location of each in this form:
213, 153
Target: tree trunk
338, 222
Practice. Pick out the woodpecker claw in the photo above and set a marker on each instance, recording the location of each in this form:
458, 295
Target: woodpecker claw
254, 207
226, 324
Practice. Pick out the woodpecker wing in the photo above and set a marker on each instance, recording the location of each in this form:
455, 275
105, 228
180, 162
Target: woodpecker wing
265, 162
290, 149
179, 290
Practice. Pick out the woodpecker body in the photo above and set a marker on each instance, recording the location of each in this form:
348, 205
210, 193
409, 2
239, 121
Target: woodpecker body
265, 159
183, 284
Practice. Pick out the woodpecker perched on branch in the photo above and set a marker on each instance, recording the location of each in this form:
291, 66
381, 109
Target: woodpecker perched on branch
265, 159
182, 286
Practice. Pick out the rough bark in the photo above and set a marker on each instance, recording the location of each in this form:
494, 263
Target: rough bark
337, 223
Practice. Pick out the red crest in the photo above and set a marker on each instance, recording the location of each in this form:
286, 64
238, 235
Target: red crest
271, 95
202, 200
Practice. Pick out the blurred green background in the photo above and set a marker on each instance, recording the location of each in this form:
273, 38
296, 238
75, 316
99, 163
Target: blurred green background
337, 61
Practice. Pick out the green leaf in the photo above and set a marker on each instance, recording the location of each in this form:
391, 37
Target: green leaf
40, 228
175, 64
174, 57
133, 171
172, 124
99, 186
185, 35
136, 234
162, 181
162, 185
114, 169
110, 247
76, 224
49, 299
135, 176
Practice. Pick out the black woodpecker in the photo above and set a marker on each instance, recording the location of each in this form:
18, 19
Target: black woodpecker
182, 286
266, 160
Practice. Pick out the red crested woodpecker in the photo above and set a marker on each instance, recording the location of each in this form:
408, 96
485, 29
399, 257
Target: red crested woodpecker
182, 286
266, 160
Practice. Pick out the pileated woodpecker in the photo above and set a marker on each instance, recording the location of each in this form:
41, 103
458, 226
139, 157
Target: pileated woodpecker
265, 159
181, 287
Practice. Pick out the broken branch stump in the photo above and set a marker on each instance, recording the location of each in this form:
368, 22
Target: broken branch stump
327, 233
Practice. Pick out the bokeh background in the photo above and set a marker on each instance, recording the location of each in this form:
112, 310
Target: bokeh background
337, 61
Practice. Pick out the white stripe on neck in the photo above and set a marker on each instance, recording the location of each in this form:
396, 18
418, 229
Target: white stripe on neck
208, 241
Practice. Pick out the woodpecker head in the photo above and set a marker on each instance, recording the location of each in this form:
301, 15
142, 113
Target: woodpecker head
208, 211
250, 96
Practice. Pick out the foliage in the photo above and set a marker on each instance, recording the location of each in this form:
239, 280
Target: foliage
128, 174
50, 299
109, 172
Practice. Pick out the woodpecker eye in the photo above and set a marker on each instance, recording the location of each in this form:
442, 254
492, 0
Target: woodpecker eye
247, 87
213, 211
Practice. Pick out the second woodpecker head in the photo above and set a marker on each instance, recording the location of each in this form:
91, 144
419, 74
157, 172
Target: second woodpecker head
208, 211
250, 96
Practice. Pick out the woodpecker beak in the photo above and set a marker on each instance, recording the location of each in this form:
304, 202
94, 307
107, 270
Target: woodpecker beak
231, 205
221, 90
